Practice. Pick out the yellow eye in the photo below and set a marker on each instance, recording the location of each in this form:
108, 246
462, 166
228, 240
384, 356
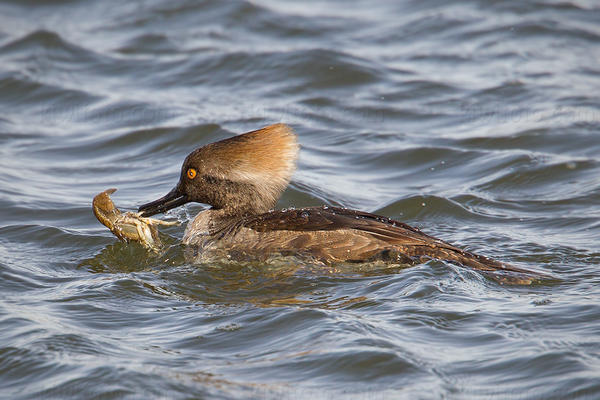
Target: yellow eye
191, 173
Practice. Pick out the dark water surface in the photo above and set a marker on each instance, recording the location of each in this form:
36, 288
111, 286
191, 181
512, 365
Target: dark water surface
477, 121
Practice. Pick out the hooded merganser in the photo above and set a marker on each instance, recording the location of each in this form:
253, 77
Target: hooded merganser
242, 177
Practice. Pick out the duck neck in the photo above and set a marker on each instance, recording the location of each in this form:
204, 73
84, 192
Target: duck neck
230, 201
210, 221
234, 199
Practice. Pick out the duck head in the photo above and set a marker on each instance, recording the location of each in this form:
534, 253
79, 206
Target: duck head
242, 175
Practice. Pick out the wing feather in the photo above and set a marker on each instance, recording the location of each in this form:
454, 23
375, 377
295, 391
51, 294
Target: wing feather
355, 228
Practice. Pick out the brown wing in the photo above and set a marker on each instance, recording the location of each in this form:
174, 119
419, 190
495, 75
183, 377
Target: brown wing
389, 234
326, 219
334, 218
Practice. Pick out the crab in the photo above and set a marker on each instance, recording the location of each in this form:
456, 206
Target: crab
128, 226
